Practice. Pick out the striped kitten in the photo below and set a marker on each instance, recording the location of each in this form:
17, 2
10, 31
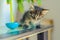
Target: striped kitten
31, 17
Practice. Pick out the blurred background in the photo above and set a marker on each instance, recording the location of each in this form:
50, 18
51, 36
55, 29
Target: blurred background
54, 13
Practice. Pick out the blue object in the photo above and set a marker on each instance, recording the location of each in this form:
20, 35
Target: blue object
12, 25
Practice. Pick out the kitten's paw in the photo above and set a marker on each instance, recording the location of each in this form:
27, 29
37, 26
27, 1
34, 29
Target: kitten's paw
25, 26
38, 26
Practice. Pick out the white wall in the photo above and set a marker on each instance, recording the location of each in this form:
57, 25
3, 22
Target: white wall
54, 13
5, 14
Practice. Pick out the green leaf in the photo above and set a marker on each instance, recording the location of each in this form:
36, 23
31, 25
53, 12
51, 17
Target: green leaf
21, 7
39, 2
32, 1
8, 1
20, 1
28, 1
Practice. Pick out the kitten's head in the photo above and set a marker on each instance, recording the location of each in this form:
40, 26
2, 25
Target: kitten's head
37, 12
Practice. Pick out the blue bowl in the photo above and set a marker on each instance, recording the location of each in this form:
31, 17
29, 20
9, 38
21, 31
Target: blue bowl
12, 25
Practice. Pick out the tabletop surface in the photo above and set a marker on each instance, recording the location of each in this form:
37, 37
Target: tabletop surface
19, 34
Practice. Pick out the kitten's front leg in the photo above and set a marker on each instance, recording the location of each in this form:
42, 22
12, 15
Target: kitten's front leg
32, 25
25, 26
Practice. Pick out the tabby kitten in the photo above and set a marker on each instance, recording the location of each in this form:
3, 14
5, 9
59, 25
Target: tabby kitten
32, 17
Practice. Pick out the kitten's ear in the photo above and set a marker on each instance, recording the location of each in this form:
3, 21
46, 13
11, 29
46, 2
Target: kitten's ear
32, 7
44, 11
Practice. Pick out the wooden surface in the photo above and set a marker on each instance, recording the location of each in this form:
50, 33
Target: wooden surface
50, 34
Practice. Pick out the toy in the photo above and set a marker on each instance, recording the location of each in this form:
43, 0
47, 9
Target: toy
12, 24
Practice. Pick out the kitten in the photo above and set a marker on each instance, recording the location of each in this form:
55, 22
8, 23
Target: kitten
31, 17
